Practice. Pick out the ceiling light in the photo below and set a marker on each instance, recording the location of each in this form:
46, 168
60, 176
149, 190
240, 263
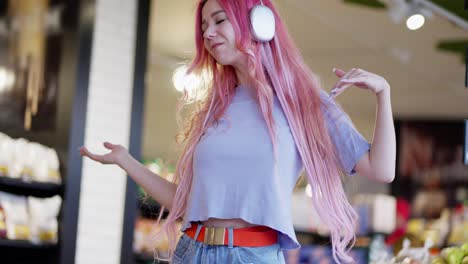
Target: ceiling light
193, 84
7, 80
308, 190
415, 22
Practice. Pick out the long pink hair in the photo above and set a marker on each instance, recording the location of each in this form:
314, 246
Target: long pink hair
273, 67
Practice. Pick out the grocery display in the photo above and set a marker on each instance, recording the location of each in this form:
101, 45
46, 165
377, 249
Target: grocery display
145, 247
28, 161
386, 232
29, 218
28, 169
31, 196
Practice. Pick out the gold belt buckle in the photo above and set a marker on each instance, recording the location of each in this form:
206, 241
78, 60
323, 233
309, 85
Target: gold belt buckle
214, 235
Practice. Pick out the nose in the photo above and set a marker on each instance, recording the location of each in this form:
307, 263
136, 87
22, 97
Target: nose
209, 33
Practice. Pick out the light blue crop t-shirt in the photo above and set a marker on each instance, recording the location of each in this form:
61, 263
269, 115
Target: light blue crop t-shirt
233, 166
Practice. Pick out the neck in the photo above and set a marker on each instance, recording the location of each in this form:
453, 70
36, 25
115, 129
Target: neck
242, 77
240, 68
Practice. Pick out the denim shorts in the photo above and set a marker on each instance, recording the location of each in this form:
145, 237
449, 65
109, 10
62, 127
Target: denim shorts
191, 251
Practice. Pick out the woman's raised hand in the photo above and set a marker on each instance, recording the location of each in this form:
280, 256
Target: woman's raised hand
360, 78
116, 156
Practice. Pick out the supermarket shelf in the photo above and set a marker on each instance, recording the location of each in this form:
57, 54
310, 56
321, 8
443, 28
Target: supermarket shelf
150, 209
144, 258
38, 189
24, 244
314, 238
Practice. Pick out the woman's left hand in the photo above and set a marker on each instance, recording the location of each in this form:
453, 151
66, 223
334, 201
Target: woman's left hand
360, 78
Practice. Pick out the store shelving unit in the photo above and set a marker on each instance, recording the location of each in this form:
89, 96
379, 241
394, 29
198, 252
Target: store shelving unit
24, 251
150, 209
309, 237
27, 245
65, 137
37, 189
312, 239
147, 259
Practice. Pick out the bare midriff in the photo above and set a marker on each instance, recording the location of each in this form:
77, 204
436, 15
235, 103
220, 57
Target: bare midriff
235, 223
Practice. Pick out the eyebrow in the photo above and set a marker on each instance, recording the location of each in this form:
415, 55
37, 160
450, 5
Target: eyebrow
212, 15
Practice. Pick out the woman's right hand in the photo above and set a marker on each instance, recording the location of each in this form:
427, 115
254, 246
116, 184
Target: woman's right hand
116, 156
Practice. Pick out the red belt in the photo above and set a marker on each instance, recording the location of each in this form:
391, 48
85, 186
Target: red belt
257, 236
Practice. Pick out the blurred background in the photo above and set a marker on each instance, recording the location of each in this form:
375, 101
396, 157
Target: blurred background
82, 72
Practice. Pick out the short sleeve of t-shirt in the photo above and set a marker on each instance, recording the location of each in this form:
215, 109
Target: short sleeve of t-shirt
350, 144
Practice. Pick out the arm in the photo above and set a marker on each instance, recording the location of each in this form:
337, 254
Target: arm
157, 187
379, 163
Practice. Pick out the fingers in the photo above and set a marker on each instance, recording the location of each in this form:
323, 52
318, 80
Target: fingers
83, 151
339, 72
343, 76
109, 145
355, 76
340, 86
356, 80
337, 91
99, 158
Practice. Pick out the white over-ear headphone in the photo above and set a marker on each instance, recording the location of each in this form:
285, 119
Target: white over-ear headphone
262, 21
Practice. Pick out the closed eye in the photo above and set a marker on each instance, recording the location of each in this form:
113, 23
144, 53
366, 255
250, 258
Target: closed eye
217, 23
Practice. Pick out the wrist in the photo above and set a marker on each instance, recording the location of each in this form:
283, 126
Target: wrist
125, 161
384, 93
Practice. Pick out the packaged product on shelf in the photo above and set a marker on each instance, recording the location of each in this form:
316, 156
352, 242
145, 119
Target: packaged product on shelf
30, 155
29, 161
43, 214
363, 225
5, 153
16, 167
382, 211
53, 166
45, 168
311, 254
143, 227
451, 228
145, 241
305, 217
378, 251
414, 255
16, 216
3, 232
459, 225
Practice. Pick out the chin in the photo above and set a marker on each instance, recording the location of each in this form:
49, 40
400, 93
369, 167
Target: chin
224, 59
223, 62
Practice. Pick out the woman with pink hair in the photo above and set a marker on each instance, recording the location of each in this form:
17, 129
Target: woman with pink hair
263, 120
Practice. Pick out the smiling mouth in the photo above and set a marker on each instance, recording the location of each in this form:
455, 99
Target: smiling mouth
216, 45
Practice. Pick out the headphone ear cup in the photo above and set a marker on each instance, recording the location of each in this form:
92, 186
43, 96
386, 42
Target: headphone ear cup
262, 22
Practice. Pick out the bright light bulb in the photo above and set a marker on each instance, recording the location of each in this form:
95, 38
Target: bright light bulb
193, 84
178, 78
308, 190
415, 21
10, 79
3, 80
7, 80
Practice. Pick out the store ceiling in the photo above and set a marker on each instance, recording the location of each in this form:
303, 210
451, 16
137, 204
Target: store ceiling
427, 83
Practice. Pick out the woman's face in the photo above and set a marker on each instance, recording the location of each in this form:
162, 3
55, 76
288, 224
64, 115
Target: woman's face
218, 35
